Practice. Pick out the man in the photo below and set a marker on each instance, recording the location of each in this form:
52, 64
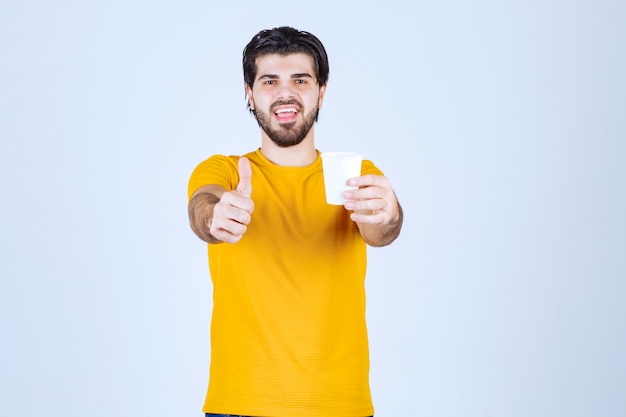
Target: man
288, 332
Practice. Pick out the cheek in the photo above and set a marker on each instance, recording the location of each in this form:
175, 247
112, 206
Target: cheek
261, 101
316, 101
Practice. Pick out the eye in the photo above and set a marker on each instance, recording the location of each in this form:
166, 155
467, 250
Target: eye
269, 82
300, 81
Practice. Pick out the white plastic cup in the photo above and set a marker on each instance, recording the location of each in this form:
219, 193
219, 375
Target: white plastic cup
338, 168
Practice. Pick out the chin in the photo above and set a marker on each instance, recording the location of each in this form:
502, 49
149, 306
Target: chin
286, 143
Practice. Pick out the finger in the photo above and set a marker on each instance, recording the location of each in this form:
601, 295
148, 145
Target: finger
364, 193
237, 211
368, 218
367, 180
233, 231
245, 176
227, 230
234, 199
226, 236
375, 204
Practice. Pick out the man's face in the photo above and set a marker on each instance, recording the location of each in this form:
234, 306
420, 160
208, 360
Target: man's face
285, 97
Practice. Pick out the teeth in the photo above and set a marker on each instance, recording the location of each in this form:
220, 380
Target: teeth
285, 111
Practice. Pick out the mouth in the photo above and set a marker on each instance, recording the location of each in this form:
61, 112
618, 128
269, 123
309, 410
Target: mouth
285, 114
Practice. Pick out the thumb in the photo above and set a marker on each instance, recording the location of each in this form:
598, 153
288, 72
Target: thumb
245, 174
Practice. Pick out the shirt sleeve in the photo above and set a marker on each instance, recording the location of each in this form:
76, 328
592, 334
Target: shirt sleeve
218, 169
368, 168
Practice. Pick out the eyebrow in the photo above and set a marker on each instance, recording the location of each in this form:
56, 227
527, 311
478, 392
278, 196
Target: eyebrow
296, 75
302, 75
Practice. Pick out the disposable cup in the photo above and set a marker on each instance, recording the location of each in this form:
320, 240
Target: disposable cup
338, 168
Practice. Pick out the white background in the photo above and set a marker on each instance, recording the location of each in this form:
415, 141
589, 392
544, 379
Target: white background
500, 123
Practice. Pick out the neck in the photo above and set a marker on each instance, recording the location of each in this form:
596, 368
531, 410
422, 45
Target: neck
300, 155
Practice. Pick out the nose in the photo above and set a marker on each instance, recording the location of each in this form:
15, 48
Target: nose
285, 92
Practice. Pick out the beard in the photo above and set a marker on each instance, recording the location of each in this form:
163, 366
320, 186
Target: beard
286, 134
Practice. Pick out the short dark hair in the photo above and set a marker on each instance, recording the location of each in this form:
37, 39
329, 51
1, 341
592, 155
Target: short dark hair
284, 40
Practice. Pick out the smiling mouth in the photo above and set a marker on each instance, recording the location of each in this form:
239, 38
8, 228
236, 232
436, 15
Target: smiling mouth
286, 114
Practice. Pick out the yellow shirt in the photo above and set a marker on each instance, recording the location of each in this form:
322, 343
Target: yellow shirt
288, 331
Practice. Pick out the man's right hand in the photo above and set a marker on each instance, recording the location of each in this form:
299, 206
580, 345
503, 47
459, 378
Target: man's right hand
232, 214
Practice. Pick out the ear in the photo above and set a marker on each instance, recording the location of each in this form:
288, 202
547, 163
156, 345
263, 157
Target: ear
249, 95
321, 98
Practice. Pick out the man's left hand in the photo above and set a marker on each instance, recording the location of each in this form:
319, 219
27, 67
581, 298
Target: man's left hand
374, 202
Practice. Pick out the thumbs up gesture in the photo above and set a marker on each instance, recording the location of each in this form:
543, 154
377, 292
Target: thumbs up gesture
232, 214
245, 175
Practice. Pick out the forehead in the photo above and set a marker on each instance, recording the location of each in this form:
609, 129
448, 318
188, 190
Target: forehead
277, 64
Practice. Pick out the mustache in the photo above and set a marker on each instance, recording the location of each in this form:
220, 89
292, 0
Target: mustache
291, 101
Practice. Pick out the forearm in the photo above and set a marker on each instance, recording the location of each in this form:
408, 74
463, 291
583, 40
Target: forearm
382, 235
200, 209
